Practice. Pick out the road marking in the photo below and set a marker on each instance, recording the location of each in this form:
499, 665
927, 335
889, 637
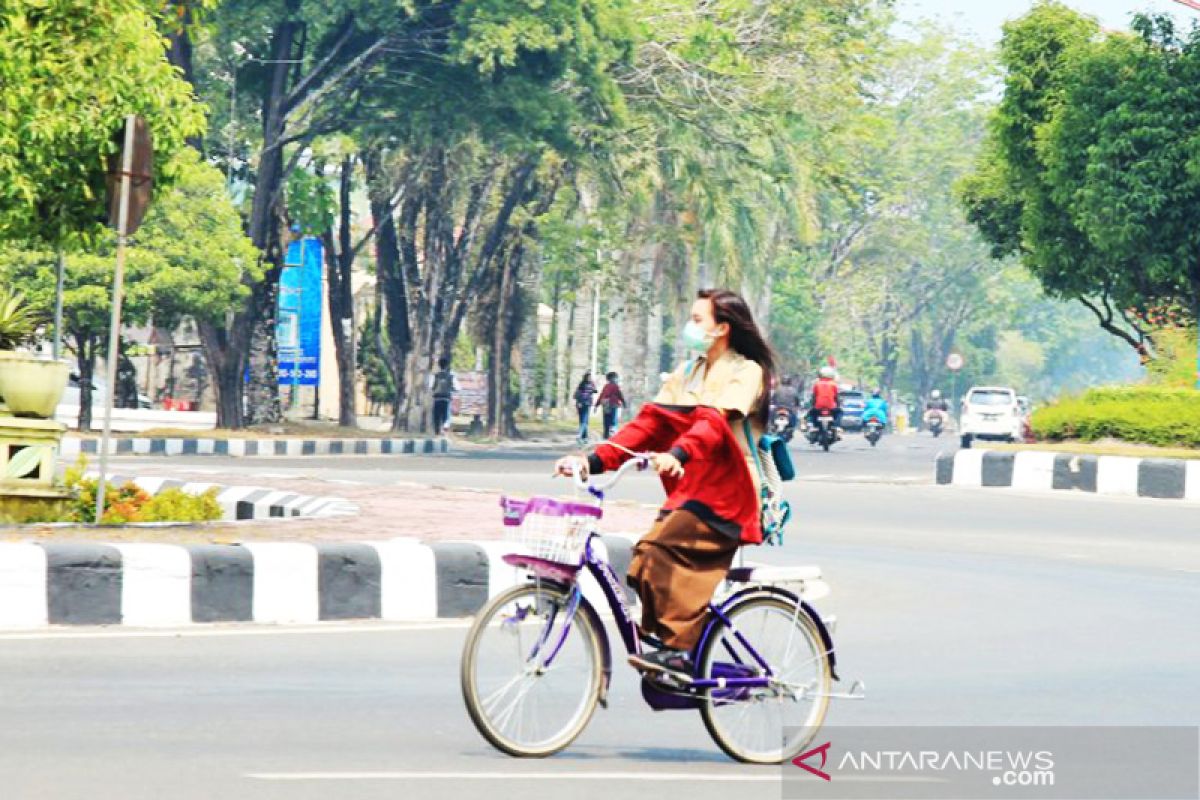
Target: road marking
1185, 569
201, 631
758, 777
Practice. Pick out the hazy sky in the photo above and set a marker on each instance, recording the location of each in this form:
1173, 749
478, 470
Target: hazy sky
983, 18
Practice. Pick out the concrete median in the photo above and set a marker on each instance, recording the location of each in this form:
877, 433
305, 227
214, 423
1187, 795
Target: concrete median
1041, 471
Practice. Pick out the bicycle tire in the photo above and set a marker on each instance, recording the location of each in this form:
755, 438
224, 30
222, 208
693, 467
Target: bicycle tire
815, 718
582, 625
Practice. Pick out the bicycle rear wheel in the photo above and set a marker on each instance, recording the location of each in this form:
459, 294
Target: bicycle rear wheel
771, 724
531, 678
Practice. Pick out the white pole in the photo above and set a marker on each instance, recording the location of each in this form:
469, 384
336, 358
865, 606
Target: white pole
595, 328
114, 333
58, 303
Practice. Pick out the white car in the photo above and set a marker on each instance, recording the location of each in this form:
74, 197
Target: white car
991, 413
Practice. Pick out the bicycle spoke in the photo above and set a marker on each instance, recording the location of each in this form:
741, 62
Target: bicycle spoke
519, 704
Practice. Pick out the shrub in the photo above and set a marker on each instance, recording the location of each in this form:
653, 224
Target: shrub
18, 322
1154, 415
130, 503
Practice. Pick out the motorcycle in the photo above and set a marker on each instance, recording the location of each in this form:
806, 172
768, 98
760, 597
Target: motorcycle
935, 420
824, 432
782, 425
873, 430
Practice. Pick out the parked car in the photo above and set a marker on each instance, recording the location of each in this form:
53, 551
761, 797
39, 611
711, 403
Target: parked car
990, 413
854, 403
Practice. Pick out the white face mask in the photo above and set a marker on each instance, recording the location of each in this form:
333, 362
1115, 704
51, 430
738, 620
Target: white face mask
695, 337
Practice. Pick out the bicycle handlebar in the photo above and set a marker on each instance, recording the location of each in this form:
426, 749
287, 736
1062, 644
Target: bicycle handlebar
639, 461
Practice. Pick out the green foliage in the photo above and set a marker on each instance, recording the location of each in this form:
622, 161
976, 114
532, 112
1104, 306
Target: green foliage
18, 321
1142, 414
176, 505
130, 503
381, 386
70, 71
1176, 365
1089, 174
190, 259
203, 262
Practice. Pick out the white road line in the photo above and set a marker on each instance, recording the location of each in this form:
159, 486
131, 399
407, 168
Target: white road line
743, 777
251, 629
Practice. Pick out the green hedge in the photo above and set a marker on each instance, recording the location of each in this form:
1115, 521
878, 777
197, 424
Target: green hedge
1160, 416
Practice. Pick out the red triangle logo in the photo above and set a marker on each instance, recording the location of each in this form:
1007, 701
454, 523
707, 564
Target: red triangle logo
823, 750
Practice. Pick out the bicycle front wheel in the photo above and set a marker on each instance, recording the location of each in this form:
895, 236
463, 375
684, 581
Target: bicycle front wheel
531, 677
774, 723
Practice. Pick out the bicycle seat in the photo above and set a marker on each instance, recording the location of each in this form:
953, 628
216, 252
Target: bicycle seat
808, 572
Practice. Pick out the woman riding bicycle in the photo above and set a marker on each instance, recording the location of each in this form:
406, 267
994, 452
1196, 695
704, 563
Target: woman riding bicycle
698, 426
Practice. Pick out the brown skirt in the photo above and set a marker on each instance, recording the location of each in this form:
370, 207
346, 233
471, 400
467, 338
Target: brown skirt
675, 569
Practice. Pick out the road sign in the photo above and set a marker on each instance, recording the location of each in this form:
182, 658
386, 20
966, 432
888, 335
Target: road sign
955, 362
133, 159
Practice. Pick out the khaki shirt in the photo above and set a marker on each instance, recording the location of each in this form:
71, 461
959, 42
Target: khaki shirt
731, 383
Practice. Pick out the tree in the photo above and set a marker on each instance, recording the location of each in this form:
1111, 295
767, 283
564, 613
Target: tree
188, 260
1089, 172
64, 91
206, 263
87, 302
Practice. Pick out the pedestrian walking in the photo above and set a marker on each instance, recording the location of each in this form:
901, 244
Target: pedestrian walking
611, 401
585, 392
443, 393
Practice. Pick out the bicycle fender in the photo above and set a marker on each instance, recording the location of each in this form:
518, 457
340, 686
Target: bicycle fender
586, 608
750, 591
605, 650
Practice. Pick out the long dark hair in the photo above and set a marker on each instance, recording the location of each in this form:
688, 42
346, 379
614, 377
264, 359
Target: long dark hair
744, 335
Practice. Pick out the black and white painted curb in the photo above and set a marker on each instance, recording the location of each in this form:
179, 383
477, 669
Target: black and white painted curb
134, 445
247, 502
156, 585
1037, 471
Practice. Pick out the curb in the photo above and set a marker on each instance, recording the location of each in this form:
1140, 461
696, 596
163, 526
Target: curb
133, 445
247, 502
1038, 471
165, 585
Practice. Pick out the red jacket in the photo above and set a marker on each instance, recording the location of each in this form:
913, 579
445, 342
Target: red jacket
825, 395
716, 484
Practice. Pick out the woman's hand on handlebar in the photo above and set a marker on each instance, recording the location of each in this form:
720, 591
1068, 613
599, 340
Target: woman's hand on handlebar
571, 466
667, 464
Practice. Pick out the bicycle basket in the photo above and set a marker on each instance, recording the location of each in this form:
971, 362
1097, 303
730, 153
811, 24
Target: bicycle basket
549, 529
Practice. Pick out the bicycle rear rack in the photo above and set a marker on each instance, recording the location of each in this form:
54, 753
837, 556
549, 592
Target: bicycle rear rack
857, 691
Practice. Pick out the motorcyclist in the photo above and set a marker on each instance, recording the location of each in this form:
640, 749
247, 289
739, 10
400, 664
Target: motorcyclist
936, 407
876, 408
825, 397
787, 397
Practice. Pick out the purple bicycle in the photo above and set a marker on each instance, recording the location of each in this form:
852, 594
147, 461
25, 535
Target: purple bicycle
537, 659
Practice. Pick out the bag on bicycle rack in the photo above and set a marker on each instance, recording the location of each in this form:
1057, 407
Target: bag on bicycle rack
774, 464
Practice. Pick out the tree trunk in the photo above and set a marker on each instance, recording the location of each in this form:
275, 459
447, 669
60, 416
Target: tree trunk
266, 218
85, 349
339, 265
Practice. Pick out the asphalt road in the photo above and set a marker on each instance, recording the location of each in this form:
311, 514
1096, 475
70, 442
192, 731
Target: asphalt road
897, 459
955, 607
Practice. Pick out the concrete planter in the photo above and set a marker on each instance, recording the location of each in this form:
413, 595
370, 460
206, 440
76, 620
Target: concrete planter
32, 386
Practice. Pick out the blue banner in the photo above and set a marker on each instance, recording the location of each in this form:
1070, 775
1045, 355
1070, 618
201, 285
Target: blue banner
298, 326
